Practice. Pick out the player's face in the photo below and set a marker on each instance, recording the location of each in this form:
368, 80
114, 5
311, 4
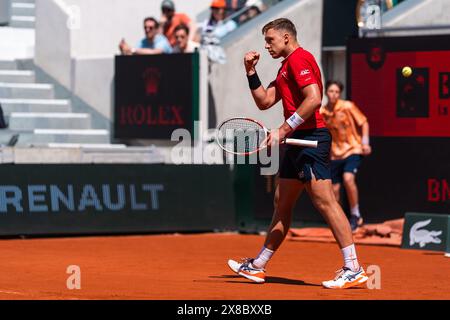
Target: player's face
276, 41
333, 93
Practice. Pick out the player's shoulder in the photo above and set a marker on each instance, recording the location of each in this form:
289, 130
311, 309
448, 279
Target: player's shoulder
301, 57
304, 54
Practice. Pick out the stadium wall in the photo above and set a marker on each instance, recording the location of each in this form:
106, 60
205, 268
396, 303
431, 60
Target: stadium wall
418, 13
53, 40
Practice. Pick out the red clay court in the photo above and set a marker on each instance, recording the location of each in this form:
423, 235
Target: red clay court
194, 267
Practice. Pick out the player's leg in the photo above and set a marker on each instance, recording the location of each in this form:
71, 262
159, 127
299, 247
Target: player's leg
337, 170
349, 180
317, 178
286, 195
323, 198
337, 191
288, 190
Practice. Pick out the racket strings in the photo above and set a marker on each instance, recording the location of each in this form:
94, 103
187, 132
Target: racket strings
241, 136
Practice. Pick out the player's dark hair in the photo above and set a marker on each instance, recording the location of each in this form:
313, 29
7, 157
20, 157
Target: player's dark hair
152, 19
182, 26
334, 82
281, 24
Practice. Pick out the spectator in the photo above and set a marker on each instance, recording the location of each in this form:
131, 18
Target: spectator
389, 4
260, 4
233, 6
215, 27
153, 43
183, 44
171, 19
251, 12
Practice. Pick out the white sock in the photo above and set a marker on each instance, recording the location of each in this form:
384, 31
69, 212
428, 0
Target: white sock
355, 211
350, 259
262, 258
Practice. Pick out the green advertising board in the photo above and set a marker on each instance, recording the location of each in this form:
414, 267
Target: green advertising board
125, 198
426, 231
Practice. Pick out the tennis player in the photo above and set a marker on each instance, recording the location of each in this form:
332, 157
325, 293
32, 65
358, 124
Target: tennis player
299, 86
350, 131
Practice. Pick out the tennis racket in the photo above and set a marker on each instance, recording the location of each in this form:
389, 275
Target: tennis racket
245, 136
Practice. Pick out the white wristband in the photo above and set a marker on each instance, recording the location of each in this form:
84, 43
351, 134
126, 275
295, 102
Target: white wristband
365, 140
295, 120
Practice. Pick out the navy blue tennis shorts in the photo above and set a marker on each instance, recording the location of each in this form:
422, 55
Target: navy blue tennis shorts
302, 163
339, 167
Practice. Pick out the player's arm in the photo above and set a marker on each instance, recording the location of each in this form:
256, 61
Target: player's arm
264, 98
363, 124
365, 132
145, 51
366, 148
312, 101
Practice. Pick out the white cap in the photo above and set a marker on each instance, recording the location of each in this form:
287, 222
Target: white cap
257, 3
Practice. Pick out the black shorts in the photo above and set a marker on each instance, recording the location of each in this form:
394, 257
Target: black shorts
302, 163
339, 167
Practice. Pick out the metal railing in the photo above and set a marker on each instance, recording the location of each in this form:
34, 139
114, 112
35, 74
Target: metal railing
365, 31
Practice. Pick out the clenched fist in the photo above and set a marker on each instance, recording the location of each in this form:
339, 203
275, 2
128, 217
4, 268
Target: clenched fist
250, 61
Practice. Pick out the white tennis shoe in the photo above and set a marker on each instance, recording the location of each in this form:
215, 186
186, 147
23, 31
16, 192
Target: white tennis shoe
245, 269
346, 278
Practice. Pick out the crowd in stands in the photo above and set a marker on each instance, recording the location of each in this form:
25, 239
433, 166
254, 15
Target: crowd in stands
389, 4
175, 32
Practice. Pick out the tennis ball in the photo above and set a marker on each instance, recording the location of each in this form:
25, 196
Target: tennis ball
407, 71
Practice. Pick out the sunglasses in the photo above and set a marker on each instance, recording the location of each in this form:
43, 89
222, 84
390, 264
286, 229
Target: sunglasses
149, 28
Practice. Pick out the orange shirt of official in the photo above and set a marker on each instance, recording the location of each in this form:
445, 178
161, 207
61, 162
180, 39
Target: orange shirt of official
344, 123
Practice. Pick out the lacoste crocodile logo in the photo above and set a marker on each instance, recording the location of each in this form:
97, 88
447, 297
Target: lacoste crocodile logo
422, 236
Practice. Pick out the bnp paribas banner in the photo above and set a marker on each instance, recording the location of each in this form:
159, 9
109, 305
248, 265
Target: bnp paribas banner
89, 199
426, 231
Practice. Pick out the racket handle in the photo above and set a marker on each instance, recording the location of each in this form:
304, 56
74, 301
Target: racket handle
301, 143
